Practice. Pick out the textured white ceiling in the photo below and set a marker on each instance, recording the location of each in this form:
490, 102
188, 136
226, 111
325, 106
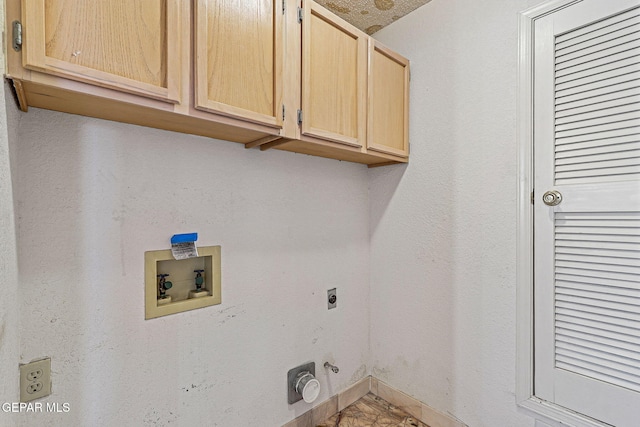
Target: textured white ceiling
371, 15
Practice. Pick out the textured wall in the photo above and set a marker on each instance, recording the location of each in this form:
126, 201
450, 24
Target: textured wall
443, 228
8, 269
9, 329
9, 326
93, 196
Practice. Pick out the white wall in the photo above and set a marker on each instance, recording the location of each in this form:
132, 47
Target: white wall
92, 196
443, 228
9, 327
9, 297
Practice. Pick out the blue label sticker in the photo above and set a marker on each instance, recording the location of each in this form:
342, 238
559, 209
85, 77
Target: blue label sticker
182, 238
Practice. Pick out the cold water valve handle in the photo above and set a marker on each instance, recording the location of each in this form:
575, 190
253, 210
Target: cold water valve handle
199, 279
163, 285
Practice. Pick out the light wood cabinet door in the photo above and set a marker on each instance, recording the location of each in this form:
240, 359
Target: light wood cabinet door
239, 53
334, 77
131, 46
388, 116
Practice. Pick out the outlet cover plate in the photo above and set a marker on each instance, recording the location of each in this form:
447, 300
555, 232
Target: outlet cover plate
332, 298
292, 395
35, 380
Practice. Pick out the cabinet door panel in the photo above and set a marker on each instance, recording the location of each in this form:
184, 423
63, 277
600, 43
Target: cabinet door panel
388, 101
239, 59
334, 78
130, 46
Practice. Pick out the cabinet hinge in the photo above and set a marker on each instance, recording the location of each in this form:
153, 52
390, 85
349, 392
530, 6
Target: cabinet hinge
283, 112
300, 15
17, 36
299, 117
284, 6
532, 198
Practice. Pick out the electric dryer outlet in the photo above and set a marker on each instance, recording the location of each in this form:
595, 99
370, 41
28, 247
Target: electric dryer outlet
332, 298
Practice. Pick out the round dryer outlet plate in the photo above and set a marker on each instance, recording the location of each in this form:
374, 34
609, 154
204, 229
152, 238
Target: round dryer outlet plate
292, 395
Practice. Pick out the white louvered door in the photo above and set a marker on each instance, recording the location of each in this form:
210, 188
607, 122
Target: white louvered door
587, 248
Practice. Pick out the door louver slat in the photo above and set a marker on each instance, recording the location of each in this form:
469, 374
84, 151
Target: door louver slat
598, 28
592, 338
629, 262
609, 364
598, 159
592, 80
595, 149
591, 318
606, 253
620, 143
601, 137
599, 373
597, 296
599, 104
597, 60
615, 80
564, 217
577, 307
596, 48
605, 91
568, 348
614, 117
612, 30
586, 280
596, 72
624, 106
618, 246
598, 175
596, 102
595, 273
569, 74
596, 348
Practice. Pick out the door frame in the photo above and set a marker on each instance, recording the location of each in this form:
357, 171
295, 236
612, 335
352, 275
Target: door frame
528, 403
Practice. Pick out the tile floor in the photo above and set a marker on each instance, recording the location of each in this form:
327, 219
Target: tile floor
372, 411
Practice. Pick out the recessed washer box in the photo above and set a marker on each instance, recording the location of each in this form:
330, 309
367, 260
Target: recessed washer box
182, 275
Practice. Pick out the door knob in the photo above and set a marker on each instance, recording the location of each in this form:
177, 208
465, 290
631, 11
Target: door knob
552, 198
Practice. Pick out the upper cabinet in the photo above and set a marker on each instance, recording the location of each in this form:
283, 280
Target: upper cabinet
285, 74
119, 44
239, 59
351, 92
388, 101
334, 78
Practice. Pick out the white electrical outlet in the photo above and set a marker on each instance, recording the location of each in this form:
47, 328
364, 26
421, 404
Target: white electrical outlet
35, 380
